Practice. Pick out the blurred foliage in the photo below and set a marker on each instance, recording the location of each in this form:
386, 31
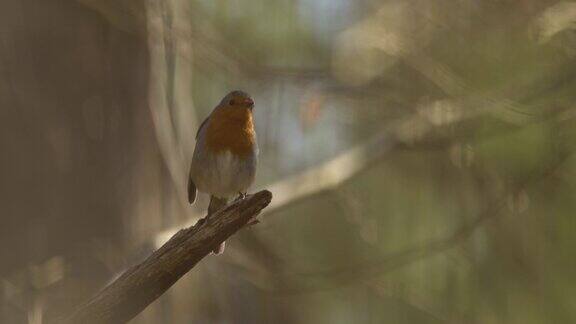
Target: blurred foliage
467, 216
499, 102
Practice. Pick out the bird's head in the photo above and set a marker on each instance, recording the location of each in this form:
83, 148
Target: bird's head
237, 99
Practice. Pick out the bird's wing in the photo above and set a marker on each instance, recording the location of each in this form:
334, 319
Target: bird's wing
191, 185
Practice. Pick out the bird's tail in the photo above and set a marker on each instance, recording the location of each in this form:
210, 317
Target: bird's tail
191, 191
215, 205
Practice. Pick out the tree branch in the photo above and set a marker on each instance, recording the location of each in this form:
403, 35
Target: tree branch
143, 283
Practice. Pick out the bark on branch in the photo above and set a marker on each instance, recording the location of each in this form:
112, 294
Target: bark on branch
141, 284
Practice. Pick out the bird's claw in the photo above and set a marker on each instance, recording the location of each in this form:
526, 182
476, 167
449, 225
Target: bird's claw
241, 196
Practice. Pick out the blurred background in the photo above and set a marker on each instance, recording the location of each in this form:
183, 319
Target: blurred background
420, 154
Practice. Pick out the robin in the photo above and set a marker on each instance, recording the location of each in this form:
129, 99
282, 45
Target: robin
226, 153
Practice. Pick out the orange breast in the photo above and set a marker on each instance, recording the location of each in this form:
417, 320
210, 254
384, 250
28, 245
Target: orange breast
231, 128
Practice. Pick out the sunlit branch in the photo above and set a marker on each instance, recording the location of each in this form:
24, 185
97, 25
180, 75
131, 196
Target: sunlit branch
143, 283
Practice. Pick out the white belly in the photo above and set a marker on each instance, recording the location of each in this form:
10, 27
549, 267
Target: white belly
223, 174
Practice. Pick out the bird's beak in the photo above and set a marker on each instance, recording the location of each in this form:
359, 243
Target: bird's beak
248, 102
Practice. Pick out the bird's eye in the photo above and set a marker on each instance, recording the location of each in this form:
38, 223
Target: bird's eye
231, 102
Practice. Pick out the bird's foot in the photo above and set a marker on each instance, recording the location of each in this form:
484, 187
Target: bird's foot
254, 219
241, 196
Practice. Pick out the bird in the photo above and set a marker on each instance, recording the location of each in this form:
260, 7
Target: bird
225, 156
